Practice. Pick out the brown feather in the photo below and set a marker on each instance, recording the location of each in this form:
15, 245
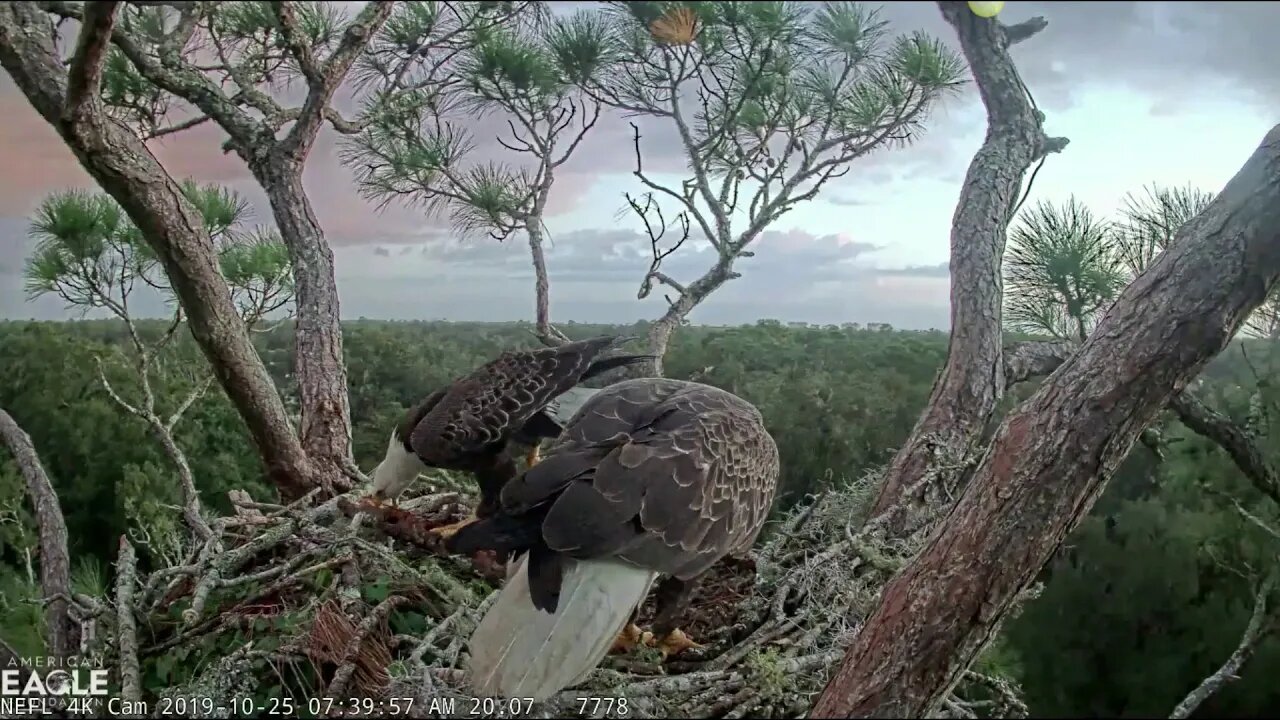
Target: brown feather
478, 413
665, 474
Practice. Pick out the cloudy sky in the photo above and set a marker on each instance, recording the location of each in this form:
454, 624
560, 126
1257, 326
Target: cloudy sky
1173, 93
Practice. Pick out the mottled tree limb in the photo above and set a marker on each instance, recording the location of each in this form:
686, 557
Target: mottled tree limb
972, 379
126, 625
55, 562
1026, 360
1261, 624
376, 617
1232, 438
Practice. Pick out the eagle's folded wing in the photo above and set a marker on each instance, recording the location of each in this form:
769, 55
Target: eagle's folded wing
668, 476
493, 402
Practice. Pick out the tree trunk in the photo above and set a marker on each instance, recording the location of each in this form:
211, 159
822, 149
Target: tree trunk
543, 328
319, 363
1052, 457
61, 633
972, 380
658, 337
124, 167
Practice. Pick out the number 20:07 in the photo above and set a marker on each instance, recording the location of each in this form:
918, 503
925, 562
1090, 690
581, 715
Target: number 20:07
514, 707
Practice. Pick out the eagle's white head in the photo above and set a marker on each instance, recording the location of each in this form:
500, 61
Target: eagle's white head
397, 471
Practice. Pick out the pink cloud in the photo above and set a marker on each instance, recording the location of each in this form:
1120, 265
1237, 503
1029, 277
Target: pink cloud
38, 163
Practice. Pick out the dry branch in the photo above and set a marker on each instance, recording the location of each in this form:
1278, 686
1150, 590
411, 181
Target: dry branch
126, 626
1232, 438
1261, 623
61, 633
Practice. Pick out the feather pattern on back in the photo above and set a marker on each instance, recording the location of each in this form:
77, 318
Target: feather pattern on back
485, 408
650, 476
665, 474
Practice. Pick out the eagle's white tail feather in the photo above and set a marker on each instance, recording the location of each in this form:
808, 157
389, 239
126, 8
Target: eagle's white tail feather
519, 651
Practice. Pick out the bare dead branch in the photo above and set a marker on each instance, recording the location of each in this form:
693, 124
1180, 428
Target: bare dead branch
1023, 361
55, 561
126, 626
1228, 435
656, 234
1258, 628
1015, 34
378, 616
173, 129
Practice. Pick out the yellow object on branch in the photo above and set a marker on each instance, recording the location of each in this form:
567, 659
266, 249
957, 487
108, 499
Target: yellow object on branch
986, 9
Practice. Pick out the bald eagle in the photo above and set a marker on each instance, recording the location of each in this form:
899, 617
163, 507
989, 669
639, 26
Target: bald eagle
651, 477
472, 424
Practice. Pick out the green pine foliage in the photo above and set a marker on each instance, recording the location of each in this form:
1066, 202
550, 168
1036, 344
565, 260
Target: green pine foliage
1148, 596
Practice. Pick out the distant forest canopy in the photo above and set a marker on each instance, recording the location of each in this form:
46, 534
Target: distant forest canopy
1138, 606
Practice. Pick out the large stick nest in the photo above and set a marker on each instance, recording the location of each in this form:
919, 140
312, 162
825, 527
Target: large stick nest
344, 599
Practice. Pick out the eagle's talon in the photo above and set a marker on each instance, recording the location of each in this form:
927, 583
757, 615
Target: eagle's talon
447, 531
627, 640
674, 643
377, 501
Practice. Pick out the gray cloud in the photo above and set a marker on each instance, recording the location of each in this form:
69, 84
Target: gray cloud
941, 270
794, 276
595, 275
1163, 50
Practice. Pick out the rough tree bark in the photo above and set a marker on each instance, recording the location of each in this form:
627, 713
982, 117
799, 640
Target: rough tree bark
124, 167
1052, 456
972, 381
318, 354
61, 632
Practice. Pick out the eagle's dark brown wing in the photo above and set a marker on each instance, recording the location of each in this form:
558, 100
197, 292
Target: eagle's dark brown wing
665, 474
485, 407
